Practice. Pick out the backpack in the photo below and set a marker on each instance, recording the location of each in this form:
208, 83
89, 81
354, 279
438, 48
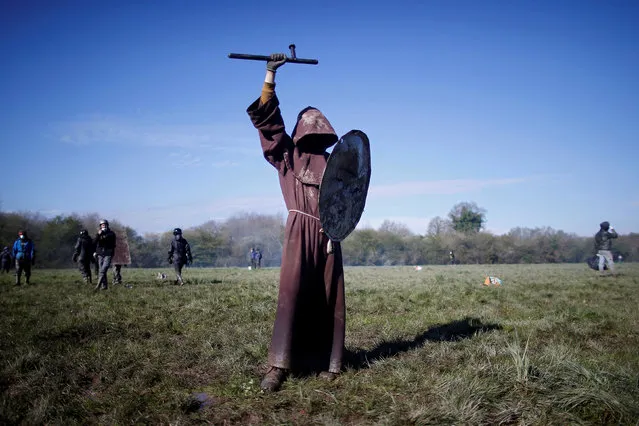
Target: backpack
593, 262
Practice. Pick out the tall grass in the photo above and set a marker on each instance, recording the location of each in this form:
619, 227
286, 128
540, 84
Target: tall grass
555, 344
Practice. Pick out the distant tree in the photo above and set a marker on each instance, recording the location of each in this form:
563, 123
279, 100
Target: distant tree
438, 226
58, 239
91, 222
146, 252
12, 222
627, 246
467, 217
209, 244
395, 228
362, 247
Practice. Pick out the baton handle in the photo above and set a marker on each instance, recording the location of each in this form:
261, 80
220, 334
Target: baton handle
268, 58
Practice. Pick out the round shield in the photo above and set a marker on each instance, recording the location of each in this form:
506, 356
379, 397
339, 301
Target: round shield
345, 185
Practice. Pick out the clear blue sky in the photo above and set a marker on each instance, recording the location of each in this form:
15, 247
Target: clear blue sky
133, 111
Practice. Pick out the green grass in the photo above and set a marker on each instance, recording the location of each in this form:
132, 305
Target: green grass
556, 344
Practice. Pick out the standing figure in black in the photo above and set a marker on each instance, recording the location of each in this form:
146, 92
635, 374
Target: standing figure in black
83, 255
258, 258
182, 251
5, 260
104, 251
252, 259
451, 255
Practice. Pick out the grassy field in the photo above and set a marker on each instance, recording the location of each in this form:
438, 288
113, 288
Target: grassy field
555, 344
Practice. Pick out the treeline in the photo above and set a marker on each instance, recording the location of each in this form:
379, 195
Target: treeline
394, 244
213, 244
227, 243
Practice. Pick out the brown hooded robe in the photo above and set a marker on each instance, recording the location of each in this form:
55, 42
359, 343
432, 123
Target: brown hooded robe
309, 328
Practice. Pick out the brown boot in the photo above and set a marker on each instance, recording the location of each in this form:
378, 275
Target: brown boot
273, 379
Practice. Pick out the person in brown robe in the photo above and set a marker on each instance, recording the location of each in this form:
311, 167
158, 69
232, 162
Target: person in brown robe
308, 334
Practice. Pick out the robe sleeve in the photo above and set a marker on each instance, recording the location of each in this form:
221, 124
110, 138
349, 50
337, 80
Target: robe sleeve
267, 119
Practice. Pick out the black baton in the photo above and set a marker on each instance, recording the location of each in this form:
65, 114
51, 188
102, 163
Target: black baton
293, 59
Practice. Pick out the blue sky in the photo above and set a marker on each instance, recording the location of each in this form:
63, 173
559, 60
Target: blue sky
134, 111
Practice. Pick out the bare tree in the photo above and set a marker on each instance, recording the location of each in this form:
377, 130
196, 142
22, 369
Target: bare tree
438, 226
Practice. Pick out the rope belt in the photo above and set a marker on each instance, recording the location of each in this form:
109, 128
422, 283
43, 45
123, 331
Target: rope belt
329, 246
305, 214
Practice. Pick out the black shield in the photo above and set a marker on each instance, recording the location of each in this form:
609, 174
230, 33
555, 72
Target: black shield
345, 185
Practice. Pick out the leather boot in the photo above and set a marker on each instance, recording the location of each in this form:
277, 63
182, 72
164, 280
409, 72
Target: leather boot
273, 379
328, 376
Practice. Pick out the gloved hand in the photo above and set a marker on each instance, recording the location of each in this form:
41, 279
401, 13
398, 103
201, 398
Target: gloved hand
75, 258
189, 262
170, 260
276, 61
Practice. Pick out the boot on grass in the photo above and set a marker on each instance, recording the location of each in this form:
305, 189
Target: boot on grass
273, 379
329, 376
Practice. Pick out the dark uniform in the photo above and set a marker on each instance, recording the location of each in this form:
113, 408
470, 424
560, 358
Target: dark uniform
179, 254
104, 248
258, 258
603, 246
5, 260
83, 255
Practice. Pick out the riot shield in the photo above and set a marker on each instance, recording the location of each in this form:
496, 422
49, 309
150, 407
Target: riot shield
122, 254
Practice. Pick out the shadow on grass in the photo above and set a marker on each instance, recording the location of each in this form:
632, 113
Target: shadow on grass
457, 330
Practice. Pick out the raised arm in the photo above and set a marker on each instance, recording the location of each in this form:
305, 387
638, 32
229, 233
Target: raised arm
612, 233
267, 118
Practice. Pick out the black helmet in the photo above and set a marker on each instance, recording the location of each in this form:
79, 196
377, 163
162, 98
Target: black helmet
104, 222
177, 231
84, 232
605, 225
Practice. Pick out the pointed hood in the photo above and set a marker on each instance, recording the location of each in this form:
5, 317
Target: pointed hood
310, 121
